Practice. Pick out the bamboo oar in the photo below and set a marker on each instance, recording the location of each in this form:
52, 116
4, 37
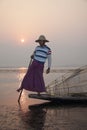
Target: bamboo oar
22, 89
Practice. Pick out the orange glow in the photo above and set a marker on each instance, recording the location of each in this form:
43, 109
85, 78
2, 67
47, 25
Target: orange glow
22, 40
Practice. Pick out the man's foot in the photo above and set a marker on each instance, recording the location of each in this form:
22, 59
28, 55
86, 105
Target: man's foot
18, 90
38, 94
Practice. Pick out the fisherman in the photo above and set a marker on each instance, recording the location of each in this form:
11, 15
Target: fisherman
33, 79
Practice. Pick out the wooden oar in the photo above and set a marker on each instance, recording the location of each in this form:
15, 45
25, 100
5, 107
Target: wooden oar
20, 96
22, 89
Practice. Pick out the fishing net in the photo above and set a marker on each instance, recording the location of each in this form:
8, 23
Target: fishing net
74, 84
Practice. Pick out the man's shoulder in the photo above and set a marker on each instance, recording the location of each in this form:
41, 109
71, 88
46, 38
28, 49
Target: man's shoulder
37, 46
47, 47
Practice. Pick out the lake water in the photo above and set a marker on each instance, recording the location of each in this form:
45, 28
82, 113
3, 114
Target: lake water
33, 114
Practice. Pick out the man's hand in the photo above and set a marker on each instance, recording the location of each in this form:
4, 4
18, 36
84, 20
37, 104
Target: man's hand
32, 56
48, 71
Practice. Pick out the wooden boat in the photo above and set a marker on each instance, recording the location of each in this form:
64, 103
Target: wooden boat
60, 99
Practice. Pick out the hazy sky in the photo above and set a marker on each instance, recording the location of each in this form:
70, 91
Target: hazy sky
63, 22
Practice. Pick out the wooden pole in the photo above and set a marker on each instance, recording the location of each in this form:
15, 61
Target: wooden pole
20, 96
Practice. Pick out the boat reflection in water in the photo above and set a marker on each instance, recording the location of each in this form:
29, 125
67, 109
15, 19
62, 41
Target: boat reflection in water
52, 116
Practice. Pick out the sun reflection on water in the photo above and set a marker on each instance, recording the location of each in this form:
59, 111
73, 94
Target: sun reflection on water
21, 73
23, 99
23, 105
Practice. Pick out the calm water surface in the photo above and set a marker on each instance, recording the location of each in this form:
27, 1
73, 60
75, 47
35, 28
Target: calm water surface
33, 114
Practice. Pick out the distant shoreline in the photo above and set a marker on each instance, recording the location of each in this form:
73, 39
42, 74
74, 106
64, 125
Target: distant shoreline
23, 70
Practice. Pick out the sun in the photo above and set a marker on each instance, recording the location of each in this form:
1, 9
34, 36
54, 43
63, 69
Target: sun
22, 40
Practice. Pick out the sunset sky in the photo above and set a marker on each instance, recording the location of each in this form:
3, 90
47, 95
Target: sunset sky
63, 22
